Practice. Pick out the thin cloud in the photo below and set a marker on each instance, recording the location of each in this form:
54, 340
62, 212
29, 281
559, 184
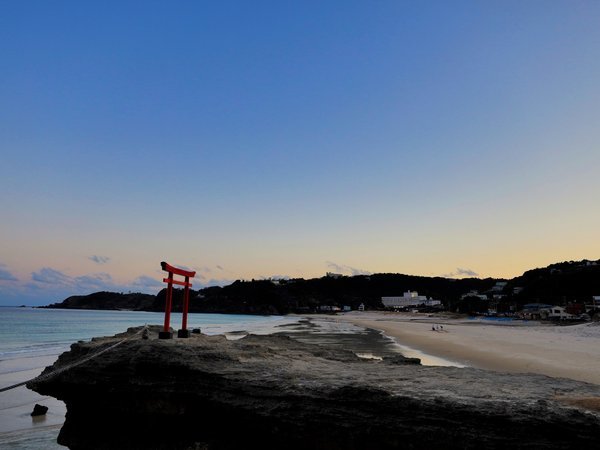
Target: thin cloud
461, 273
466, 272
203, 280
208, 274
48, 285
5, 274
213, 282
280, 277
51, 276
146, 284
344, 269
83, 283
99, 259
95, 282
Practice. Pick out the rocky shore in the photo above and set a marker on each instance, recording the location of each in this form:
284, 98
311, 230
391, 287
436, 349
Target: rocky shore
271, 392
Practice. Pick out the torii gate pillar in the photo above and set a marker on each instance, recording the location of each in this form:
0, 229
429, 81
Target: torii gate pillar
184, 332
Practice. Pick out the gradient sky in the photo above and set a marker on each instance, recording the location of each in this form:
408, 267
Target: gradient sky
273, 138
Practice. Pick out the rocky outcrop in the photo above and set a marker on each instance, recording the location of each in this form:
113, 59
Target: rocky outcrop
39, 410
274, 392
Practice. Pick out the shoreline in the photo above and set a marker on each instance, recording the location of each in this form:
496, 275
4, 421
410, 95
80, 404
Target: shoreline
567, 352
570, 352
16, 423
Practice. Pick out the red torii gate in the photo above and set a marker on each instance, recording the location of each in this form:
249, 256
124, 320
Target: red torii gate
184, 332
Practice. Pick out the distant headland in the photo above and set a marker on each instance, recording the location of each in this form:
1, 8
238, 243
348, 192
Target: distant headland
566, 284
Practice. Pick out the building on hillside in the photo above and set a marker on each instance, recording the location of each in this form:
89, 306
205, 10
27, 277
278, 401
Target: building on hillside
534, 310
556, 313
408, 300
594, 305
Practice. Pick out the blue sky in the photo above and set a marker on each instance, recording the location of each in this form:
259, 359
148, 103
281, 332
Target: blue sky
253, 139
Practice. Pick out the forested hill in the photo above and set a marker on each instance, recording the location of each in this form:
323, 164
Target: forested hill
299, 295
573, 281
108, 300
556, 284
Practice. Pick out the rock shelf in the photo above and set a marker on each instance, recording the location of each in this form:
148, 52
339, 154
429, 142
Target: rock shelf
268, 392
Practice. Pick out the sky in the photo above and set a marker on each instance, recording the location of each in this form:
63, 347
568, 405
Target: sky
290, 138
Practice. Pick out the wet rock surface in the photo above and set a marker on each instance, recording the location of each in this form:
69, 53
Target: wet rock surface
275, 392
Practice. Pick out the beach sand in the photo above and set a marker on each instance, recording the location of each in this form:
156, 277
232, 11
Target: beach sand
558, 351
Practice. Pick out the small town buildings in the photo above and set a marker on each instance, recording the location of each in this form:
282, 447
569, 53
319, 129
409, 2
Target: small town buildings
499, 286
329, 308
575, 309
536, 311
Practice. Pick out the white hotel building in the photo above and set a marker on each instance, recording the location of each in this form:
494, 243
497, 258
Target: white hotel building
409, 299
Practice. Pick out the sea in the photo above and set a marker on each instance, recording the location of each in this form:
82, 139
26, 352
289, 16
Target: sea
32, 338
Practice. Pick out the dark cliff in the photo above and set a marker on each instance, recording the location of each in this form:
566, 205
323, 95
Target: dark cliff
109, 301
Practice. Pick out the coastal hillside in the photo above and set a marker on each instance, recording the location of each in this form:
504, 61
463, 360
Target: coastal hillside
560, 284
108, 301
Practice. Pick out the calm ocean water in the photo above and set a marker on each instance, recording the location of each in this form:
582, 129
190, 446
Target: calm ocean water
31, 338
33, 332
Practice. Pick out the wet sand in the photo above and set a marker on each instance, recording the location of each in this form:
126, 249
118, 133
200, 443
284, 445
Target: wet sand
16, 423
558, 351
16, 405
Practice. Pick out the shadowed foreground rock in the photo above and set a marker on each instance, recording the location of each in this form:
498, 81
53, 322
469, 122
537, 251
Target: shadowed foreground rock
274, 392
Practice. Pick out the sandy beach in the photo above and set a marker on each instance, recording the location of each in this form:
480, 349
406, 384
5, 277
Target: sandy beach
558, 351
